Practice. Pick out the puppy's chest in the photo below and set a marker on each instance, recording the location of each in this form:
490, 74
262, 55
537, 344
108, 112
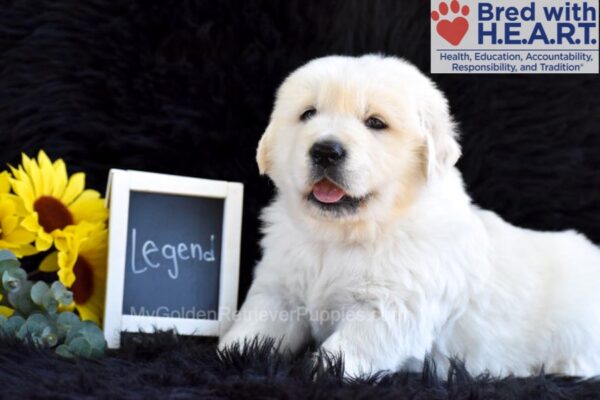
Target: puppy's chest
328, 282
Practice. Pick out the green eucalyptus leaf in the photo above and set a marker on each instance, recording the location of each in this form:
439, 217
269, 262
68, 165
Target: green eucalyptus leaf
68, 318
7, 255
13, 278
57, 287
67, 298
32, 328
12, 325
21, 301
37, 320
37, 340
81, 347
15, 322
61, 293
90, 330
98, 344
38, 291
73, 334
82, 329
39, 331
67, 321
93, 335
50, 336
8, 261
89, 327
8, 264
63, 351
49, 303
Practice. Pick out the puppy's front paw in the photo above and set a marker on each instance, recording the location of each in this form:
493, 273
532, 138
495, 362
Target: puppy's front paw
345, 356
356, 366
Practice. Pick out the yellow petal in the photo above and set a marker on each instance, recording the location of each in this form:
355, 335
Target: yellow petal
25, 250
43, 240
33, 170
96, 242
24, 190
64, 240
60, 178
74, 188
9, 224
66, 260
91, 210
31, 223
50, 263
4, 182
88, 194
20, 251
17, 173
63, 308
87, 314
7, 206
20, 236
6, 311
47, 172
20, 209
25, 162
66, 276
44, 161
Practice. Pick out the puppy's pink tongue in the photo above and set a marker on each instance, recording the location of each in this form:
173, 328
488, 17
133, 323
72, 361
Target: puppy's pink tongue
327, 192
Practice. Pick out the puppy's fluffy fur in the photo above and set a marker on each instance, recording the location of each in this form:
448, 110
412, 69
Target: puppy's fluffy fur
412, 267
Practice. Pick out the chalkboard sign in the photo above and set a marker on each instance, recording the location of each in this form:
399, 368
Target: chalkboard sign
173, 253
173, 256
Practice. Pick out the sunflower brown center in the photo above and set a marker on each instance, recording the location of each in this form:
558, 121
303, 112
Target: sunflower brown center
52, 213
84, 281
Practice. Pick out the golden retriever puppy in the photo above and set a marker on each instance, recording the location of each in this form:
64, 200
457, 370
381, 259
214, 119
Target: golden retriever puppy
373, 248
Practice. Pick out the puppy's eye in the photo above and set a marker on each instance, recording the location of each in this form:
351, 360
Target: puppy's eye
375, 123
308, 114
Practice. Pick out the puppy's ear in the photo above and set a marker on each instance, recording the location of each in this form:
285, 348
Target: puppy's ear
443, 150
263, 157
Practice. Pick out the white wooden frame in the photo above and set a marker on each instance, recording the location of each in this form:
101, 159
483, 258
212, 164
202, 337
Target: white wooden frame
120, 184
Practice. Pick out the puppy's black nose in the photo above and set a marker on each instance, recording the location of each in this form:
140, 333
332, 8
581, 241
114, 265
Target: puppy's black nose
327, 153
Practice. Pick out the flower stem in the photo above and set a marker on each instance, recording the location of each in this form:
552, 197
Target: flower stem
33, 273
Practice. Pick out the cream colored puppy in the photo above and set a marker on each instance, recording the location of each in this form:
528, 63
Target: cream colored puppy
373, 248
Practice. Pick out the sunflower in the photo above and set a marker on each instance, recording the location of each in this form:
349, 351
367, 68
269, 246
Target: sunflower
81, 265
52, 199
13, 235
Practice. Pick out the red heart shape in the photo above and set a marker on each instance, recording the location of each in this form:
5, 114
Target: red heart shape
453, 31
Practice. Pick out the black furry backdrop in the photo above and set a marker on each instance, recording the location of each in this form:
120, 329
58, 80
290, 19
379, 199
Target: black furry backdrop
186, 87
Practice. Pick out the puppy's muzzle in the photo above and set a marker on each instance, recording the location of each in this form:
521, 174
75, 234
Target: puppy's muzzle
327, 153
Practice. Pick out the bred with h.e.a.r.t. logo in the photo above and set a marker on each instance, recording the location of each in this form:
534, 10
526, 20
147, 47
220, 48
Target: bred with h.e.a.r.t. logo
450, 22
510, 36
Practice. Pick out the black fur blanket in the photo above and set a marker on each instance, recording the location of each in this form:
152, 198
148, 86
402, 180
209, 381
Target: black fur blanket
186, 87
161, 366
